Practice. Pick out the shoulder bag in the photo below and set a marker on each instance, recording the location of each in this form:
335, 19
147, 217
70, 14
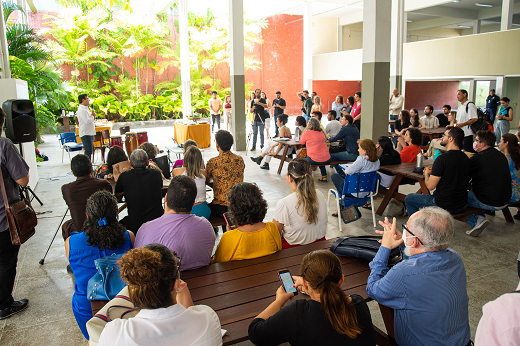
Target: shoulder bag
107, 282
351, 213
364, 247
119, 168
20, 216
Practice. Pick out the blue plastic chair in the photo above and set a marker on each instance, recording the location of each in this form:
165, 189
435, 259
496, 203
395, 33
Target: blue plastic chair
368, 182
68, 142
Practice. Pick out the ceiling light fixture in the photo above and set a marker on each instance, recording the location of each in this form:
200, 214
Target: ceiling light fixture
456, 1
483, 5
465, 27
409, 21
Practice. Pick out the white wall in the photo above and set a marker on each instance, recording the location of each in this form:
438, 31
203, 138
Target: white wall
324, 35
343, 66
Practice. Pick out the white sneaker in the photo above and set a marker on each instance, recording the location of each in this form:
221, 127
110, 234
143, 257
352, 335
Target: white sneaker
482, 223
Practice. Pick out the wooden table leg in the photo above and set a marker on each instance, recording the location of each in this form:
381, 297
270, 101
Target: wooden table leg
507, 215
282, 160
424, 189
389, 194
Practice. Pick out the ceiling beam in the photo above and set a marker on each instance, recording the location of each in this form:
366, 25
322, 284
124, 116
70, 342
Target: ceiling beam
433, 23
413, 5
442, 11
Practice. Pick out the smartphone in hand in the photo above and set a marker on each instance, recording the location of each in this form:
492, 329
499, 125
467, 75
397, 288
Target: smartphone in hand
228, 221
287, 281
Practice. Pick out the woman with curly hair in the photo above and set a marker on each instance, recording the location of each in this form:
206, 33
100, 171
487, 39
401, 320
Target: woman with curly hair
300, 124
166, 312
367, 161
412, 139
329, 317
301, 217
252, 238
102, 236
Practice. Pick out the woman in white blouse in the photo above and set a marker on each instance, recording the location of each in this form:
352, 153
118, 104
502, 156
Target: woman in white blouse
167, 314
301, 217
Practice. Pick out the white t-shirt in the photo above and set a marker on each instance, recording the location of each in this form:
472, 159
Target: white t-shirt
201, 188
86, 121
174, 325
462, 116
296, 230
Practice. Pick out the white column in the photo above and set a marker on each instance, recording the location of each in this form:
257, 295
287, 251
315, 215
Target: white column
472, 92
307, 46
340, 37
507, 15
499, 90
23, 18
236, 73
398, 36
185, 58
4, 62
376, 68
476, 26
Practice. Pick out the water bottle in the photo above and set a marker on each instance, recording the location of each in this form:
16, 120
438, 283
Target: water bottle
419, 165
297, 135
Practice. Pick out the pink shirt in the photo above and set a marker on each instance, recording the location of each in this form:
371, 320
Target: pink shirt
317, 149
356, 110
500, 322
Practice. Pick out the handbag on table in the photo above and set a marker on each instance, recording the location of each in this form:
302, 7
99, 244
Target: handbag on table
351, 213
363, 247
21, 217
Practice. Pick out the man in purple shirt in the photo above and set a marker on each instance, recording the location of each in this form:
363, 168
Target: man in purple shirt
190, 236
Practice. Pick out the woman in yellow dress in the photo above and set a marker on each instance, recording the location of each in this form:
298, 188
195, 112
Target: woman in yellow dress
252, 237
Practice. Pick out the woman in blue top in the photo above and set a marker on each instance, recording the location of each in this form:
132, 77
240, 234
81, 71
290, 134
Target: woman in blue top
338, 105
367, 161
504, 118
102, 236
509, 147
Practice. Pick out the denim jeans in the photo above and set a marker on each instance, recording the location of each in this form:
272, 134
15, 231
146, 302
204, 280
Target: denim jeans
393, 117
323, 170
492, 112
306, 116
88, 145
343, 156
256, 126
215, 117
416, 201
502, 127
338, 182
276, 128
475, 203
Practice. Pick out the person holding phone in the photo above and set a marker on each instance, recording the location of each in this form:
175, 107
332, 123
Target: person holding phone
329, 317
252, 237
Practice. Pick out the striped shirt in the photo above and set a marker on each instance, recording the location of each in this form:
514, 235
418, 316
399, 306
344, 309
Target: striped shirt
428, 293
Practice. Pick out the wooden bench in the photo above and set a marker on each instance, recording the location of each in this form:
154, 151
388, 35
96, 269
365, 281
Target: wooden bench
217, 221
470, 211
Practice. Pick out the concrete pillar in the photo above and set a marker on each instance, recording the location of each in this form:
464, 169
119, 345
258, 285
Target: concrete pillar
185, 58
398, 36
236, 72
376, 68
472, 91
476, 26
307, 46
506, 22
499, 90
340, 37
5, 72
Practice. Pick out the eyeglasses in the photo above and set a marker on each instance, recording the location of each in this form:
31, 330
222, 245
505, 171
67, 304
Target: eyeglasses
407, 230
178, 260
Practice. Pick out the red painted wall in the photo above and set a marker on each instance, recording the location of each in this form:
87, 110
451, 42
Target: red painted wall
435, 93
328, 90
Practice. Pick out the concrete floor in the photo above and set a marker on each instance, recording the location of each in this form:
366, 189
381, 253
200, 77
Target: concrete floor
490, 259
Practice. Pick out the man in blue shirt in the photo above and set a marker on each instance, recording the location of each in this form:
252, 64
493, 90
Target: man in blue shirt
350, 136
427, 288
492, 103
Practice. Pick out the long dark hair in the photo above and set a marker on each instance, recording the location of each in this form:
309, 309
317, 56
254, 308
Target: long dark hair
513, 148
115, 155
350, 100
322, 271
415, 120
386, 144
102, 208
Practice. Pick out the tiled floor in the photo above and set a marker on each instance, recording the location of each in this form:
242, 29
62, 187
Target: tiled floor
490, 259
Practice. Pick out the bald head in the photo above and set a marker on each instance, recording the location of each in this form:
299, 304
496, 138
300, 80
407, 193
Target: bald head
395, 92
434, 226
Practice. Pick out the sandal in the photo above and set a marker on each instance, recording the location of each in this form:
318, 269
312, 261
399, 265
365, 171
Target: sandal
335, 214
368, 205
322, 179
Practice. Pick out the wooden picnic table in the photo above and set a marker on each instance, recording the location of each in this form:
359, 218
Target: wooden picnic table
240, 290
291, 143
433, 133
402, 170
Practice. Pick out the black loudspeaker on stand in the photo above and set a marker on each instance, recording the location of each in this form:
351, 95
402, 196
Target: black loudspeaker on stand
20, 122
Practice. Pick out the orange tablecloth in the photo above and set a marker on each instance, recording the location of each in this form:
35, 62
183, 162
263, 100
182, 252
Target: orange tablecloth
200, 133
98, 129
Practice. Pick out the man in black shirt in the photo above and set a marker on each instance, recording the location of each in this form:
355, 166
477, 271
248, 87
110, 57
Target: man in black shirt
279, 106
142, 188
492, 103
443, 117
257, 106
448, 176
490, 181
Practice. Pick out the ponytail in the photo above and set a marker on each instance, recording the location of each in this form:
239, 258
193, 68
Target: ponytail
299, 170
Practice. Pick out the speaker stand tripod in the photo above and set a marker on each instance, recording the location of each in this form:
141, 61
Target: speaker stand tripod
27, 189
